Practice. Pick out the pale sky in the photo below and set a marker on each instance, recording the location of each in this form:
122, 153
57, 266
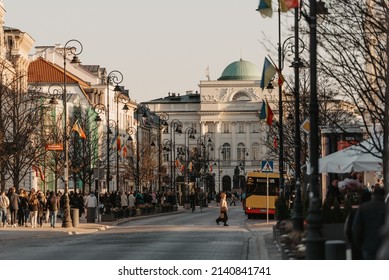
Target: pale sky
159, 46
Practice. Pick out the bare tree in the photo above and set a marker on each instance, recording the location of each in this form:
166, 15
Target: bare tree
353, 57
83, 153
21, 116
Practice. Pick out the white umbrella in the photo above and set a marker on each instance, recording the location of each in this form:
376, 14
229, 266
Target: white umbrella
354, 158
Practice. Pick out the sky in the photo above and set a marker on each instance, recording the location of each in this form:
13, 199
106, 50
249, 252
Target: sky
159, 46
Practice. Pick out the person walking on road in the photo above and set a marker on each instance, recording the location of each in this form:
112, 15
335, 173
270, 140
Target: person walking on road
223, 210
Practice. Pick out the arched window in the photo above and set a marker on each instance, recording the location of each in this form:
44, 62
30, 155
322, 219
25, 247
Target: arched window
241, 96
226, 152
255, 151
242, 152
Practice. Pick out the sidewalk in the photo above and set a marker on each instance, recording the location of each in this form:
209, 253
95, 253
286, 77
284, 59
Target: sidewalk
84, 227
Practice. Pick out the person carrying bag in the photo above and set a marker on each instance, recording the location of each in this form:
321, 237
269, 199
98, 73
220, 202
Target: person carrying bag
223, 217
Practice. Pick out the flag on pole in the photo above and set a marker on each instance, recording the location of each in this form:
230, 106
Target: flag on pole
266, 113
190, 166
77, 128
119, 145
281, 78
286, 5
38, 171
268, 73
265, 8
275, 143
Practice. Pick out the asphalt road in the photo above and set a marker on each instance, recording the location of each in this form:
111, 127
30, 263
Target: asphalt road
181, 236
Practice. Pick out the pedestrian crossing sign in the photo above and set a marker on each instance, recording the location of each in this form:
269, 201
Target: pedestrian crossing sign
267, 166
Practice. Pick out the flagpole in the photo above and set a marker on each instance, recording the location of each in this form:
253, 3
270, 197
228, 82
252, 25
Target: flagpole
280, 120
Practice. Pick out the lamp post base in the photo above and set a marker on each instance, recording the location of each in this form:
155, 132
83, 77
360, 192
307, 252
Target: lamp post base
66, 220
315, 240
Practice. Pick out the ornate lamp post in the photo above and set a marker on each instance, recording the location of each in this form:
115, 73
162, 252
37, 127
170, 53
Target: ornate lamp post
131, 131
115, 77
141, 110
119, 98
167, 148
315, 241
203, 142
189, 135
162, 125
175, 127
67, 222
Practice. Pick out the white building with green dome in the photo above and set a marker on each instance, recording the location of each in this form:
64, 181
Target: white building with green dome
224, 113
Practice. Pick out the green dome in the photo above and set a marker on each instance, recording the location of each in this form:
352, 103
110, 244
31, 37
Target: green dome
241, 70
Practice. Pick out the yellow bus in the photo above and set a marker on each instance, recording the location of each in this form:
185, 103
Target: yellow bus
259, 199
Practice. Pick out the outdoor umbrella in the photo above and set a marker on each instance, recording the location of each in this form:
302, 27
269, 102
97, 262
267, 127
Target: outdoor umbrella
354, 158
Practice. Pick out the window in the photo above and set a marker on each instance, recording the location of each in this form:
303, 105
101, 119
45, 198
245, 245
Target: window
226, 127
211, 127
255, 127
226, 152
242, 152
241, 127
166, 157
241, 96
255, 151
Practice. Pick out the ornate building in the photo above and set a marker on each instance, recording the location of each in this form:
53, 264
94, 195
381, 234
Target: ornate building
229, 139
14, 48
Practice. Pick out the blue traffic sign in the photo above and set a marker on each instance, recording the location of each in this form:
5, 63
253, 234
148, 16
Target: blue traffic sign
267, 166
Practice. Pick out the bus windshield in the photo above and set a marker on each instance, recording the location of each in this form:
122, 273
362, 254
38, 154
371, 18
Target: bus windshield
258, 185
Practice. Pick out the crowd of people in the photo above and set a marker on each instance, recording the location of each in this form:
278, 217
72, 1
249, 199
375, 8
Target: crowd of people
364, 223
32, 208
22, 208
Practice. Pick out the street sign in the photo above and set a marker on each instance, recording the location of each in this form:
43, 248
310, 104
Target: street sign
54, 147
306, 126
267, 166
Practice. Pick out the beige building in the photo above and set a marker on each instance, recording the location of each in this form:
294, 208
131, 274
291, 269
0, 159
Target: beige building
225, 117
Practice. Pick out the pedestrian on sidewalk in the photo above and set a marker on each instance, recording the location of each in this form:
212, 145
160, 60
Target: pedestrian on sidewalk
34, 207
124, 200
4, 204
223, 210
14, 202
53, 206
91, 204
368, 222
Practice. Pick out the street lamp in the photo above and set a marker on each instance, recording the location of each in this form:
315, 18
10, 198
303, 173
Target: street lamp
162, 125
131, 131
67, 221
119, 98
175, 127
189, 135
297, 217
167, 147
141, 110
203, 143
115, 77
315, 241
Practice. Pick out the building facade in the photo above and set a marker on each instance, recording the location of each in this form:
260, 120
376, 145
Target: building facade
228, 140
